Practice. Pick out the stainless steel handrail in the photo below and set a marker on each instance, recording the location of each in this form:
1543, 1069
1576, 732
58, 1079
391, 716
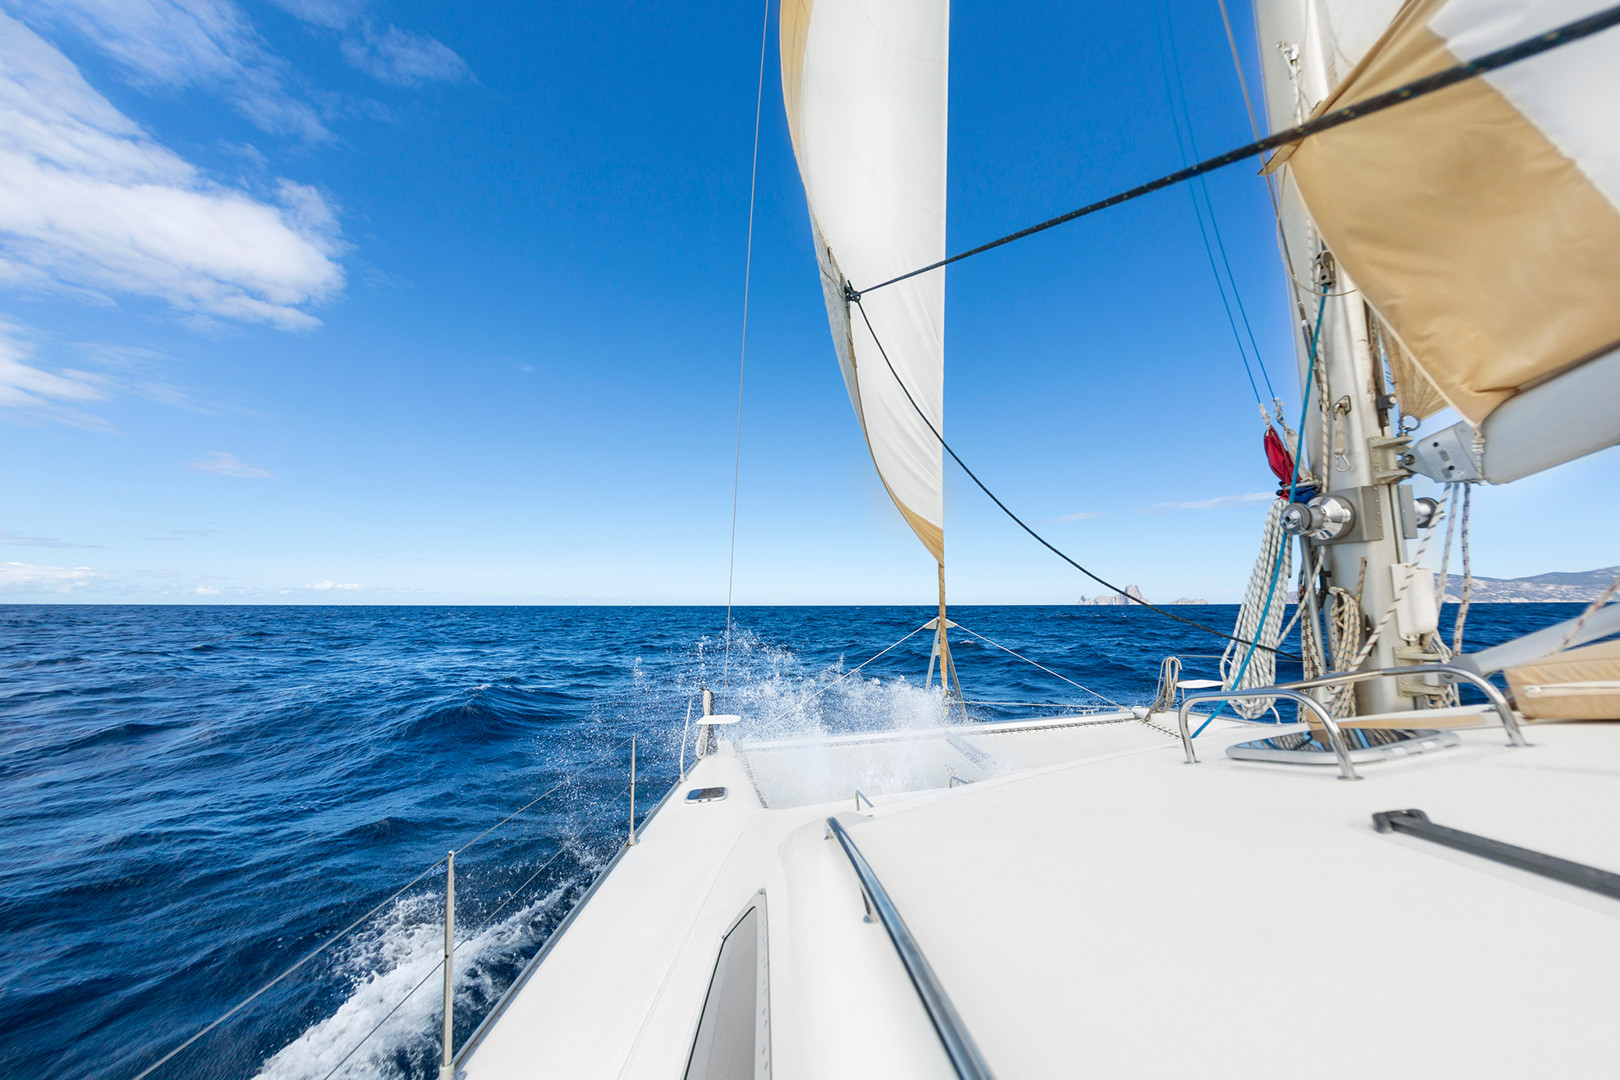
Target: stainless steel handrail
1510, 723
1341, 750
959, 1045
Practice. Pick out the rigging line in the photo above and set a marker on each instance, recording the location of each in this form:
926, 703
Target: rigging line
847, 674
549, 791
1254, 128
1428, 84
329, 942
1179, 116
383, 1021
1243, 84
307, 958
855, 298
562, 850
1043, 667
742, 362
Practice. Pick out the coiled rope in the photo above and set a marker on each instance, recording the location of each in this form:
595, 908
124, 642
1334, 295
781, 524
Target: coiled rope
1260, 619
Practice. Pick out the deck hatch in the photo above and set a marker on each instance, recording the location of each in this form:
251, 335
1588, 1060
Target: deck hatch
733, 1040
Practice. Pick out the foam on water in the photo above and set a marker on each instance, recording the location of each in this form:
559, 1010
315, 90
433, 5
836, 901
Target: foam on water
390, 1024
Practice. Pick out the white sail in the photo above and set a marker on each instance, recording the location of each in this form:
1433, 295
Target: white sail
1482, 223
865, 89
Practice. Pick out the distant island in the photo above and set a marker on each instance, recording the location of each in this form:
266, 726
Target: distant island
1580, 586
1116, 600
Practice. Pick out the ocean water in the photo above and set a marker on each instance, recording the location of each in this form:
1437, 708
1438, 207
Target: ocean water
193, 798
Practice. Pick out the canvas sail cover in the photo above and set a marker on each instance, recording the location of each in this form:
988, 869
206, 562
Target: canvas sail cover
864, 83
1482, 222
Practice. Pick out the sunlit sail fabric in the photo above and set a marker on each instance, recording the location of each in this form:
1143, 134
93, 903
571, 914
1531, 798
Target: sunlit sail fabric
1481, 222
864, 83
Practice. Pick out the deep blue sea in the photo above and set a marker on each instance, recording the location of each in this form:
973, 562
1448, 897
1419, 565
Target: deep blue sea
193, 798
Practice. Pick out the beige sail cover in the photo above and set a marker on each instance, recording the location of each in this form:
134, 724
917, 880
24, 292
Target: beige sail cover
864, 83
1480, 221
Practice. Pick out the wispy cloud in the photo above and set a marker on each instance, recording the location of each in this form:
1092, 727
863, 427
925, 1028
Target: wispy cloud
1217, 503
90, 204
209, 45
1084, 515
401, 57
21, 577
25, 387
11, 539
329, 585
393, 55
222, 464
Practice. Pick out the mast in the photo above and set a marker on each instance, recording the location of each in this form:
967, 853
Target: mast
1347, 437
1347, 433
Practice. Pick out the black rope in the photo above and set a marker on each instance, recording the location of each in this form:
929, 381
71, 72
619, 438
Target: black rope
854, 297
1552, 39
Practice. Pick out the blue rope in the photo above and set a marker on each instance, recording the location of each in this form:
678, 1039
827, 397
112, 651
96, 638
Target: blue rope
1282, 549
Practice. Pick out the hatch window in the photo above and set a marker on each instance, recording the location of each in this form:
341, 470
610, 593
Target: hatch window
733, 1040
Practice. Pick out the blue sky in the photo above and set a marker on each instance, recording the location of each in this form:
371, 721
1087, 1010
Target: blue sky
367, 302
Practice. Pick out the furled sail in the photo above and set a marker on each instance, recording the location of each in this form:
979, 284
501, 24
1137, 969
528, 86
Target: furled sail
1482, 223
864, 82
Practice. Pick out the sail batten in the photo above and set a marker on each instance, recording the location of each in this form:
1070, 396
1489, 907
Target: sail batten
864, 85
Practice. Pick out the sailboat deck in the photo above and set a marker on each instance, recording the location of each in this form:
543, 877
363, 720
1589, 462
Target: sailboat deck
1127, 914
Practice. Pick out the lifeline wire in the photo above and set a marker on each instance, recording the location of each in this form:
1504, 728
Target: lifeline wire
742, 362
855, 298
1535, 46
384, 1020
329, 942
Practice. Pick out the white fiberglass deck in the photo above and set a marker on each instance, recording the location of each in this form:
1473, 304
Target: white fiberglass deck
1125, 915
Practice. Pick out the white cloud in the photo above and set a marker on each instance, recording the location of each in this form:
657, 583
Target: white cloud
328, 585
179, 44
222, 464
401, 57
19, 577
206, 590
90, 203
1217, 503
1084, 515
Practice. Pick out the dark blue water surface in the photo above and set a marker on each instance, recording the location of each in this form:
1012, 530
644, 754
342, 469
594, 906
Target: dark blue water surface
192, 798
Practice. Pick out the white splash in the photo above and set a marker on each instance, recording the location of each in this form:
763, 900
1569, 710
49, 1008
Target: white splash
394, 1011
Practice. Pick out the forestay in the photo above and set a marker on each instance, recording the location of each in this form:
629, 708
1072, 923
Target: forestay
864, 83
1482, 222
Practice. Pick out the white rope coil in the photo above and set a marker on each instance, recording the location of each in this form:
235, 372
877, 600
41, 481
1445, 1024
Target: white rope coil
1261, 666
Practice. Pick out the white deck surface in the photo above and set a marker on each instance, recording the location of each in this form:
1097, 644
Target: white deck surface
1129, 915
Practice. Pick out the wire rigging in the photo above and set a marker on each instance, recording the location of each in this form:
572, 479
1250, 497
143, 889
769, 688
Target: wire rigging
1512, 54
853, 297
1181, 120
742, 362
